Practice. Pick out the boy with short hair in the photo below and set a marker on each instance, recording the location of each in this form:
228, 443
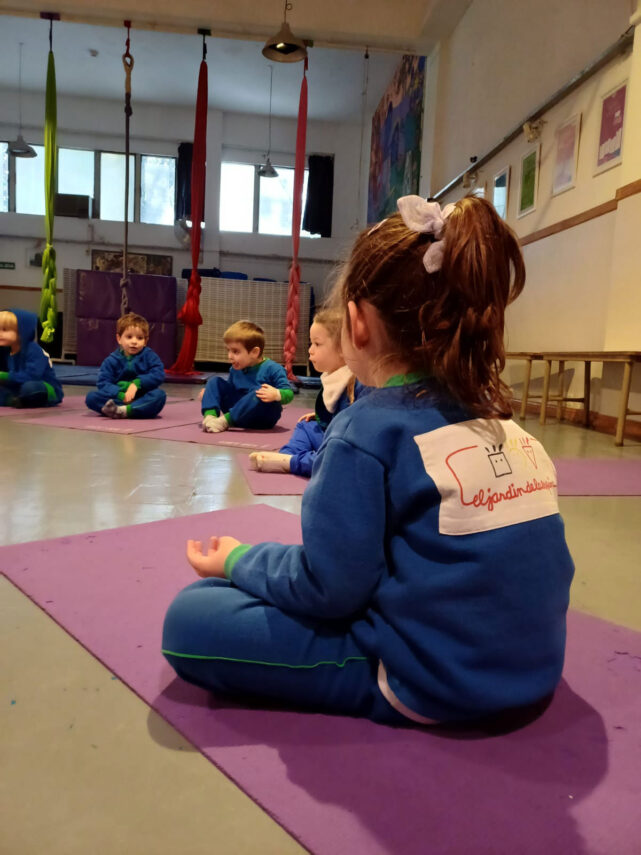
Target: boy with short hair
129, 377
27, 378
256, 390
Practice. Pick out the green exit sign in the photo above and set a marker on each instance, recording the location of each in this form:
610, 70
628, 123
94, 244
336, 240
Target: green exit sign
7, 265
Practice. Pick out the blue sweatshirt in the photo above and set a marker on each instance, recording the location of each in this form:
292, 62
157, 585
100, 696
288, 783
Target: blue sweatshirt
145, 369
31, 362
267, 371
438, 537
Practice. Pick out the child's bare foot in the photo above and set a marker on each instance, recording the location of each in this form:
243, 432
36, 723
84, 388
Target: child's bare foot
215, 424
269, 461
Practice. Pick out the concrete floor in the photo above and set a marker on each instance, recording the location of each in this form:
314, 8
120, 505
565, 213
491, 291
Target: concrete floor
87, 766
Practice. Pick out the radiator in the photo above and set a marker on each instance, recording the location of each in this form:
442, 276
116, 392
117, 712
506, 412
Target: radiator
224, 301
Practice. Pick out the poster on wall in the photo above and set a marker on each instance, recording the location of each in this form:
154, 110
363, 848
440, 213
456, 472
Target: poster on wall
137, 262
501, 191
610, 150
528, 181
397, 126
567, 151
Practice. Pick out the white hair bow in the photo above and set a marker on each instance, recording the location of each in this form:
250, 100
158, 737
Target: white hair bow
427, 218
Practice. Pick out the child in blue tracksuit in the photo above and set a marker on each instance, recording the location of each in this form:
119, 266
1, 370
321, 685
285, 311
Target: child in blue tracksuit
433, 578
27, 378
129, 378
256, 390
339, 389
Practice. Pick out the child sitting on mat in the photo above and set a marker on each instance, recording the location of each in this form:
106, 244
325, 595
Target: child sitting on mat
27, 378
256, 390
339, 388
129, 378
433, 580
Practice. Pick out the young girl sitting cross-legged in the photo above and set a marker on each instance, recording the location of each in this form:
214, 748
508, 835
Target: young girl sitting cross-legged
433, 578
339, 389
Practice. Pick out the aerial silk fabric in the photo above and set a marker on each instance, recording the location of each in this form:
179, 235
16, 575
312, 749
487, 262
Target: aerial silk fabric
48, 306
291, 318
190, 312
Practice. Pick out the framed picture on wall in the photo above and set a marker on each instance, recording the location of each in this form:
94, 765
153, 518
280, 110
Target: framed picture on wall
566, 155
610, 148
500, 191
529, 178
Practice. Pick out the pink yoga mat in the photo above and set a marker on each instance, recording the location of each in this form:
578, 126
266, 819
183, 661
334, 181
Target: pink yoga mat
598, 477
266, 440
566, 784
80, 418
271, 483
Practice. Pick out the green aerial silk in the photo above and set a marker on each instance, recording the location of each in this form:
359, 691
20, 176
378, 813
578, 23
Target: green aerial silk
48, 307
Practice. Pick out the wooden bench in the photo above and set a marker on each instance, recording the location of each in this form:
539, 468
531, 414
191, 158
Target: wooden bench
627, 357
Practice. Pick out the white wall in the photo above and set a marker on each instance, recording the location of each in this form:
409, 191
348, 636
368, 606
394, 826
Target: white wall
502, 62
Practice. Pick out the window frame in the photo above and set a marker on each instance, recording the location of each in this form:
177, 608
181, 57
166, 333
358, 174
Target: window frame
137, 156
249, 159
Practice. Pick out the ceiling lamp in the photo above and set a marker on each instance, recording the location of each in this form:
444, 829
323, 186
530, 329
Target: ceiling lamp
19, 147
285, 46
267, 170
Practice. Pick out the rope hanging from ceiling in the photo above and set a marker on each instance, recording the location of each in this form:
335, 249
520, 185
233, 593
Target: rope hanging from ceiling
128, 65
48, 305
190, 312
293, 301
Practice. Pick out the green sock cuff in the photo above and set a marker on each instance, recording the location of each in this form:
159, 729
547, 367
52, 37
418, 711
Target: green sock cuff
4, 375
51, 392
128, 411
230, 421
212, 412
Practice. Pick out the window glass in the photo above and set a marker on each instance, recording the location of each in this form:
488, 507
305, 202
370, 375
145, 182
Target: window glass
237, 197
76, 172
157, 189
112, 186
4, 176
276, 202
30, 183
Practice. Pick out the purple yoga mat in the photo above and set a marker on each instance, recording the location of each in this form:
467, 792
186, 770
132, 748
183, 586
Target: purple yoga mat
70, 404
80, 418
596, 477
566, 784
266, 440
271, 483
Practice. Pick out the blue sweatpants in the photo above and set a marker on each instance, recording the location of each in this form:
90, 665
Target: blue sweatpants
228, 641
303, 445
146, 405
33, 393
245, 409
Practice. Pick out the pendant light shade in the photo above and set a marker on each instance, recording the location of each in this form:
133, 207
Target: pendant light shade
19, 147
267, 170
285, 46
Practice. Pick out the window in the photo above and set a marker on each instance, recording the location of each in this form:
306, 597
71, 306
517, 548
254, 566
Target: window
76, 172
157, 189
251, 203
30, 183
112, 186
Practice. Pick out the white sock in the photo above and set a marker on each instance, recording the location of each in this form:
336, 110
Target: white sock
215, 424
113, 410
269, 461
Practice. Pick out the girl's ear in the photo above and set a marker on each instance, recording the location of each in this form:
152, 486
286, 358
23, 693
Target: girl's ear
359, 326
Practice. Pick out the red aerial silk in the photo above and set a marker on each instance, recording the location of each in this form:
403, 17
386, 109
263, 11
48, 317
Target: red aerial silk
291, 320
190, 313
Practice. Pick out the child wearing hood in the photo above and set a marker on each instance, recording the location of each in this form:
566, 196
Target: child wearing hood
27, 378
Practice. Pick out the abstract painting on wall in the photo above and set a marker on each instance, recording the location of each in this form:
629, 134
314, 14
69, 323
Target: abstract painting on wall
397, 126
